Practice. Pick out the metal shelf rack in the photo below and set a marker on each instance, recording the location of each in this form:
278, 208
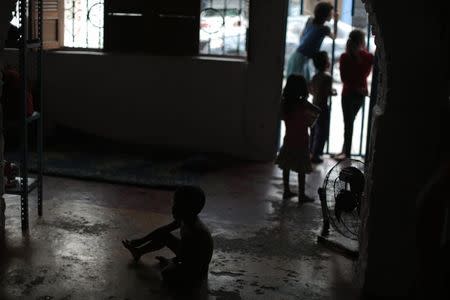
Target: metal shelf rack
31, 30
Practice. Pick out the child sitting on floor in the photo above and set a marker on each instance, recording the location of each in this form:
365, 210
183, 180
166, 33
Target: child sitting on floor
193, 251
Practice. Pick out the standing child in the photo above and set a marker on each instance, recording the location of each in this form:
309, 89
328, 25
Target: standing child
298, 114
321, 89
355, 66
311, 40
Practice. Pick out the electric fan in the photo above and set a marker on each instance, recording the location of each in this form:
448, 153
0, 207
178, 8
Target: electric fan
341, 196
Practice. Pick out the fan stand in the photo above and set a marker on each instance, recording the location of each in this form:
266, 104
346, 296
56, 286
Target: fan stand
333, 241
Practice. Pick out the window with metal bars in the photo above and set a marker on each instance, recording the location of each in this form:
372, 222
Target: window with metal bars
224, 27
83, 23
222, 30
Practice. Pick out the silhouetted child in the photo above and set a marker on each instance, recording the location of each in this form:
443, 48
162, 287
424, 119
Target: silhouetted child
321, 89
298, 114
311, 40
193, 251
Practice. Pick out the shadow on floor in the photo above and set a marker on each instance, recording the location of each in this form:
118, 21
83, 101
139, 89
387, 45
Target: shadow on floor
149, 273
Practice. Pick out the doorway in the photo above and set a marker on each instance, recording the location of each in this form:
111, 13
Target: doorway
352, 15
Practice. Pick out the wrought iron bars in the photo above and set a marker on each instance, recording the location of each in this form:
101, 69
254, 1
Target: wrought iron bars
223, 27
84, 23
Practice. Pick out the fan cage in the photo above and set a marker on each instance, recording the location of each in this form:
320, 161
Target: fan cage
350, 222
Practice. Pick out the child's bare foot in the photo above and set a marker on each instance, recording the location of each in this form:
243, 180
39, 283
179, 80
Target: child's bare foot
288, 194
163, 261
133, 243
133, 251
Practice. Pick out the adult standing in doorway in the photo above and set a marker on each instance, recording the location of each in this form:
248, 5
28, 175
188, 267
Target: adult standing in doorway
355, 66
311, 40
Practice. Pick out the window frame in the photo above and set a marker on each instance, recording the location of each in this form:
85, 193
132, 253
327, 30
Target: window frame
219, 56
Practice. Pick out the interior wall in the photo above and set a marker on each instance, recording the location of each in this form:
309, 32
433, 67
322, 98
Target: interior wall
408, 145
199, 103
148, 100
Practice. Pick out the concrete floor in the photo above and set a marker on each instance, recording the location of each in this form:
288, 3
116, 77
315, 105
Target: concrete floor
264, 248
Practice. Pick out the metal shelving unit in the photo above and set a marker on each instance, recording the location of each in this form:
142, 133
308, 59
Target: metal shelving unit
30, 16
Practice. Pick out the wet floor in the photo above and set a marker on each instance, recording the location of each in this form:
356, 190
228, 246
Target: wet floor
265, 248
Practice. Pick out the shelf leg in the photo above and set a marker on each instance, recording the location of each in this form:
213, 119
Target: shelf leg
24, 211
2, 215
40, 125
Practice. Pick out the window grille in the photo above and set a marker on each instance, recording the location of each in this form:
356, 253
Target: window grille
83, 23
224, 27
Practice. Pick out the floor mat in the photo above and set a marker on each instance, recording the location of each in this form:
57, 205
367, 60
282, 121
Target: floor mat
118, 169
86, 158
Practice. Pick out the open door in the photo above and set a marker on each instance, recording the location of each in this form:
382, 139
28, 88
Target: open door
52, 23
352, 16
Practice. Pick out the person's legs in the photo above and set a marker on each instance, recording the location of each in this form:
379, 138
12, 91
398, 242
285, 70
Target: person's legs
306, 69
302, 198
297, 64
320, 135
294, 65
325, 131
313, 138
290, 65
173, 243
139, 242
287, 190
350, 107
172, 274
301, 185
348, 125
180, 282
354, 107
169, 240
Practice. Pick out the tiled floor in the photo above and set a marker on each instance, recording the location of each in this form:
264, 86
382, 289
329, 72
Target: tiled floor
264, 248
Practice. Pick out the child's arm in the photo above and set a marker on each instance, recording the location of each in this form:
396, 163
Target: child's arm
311, 113
162, 230
333, 34
328, 32
329, 86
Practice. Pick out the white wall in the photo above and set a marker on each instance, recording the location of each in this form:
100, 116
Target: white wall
204, 104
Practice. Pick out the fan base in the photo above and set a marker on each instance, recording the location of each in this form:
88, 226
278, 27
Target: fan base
344, 246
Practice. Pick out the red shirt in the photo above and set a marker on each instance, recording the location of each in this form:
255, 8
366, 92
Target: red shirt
354, 72
11, 96
296, 128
